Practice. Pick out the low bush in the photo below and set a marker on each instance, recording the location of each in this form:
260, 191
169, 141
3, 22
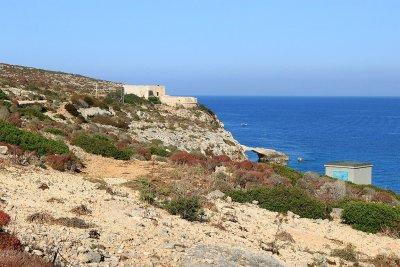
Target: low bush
102, 145
55, 131
11, 134
112, 121
287, 172
134, 99
154, 100
159, 151
189, 208
284, 199
371, 217
3, 95
182, 157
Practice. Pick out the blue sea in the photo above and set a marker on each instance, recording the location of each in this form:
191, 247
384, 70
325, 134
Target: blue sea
319, 130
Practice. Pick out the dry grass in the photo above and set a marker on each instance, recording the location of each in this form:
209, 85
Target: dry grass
81, 210
46, 218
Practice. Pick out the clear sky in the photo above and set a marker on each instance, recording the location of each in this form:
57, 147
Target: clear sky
212, 47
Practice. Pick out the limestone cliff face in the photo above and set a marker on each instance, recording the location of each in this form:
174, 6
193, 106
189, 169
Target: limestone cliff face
190, 129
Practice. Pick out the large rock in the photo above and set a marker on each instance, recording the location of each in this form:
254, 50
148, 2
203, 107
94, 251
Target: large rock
93, 111
4, 113
212, 255
3, 150
270, 155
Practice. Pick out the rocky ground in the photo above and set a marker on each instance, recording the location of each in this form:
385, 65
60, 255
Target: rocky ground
93, 219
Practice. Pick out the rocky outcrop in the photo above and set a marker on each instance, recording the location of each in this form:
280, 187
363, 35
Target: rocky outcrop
269, 155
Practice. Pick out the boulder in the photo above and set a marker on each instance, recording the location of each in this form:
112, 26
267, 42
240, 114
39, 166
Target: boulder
3, 150
213, 255
215, 195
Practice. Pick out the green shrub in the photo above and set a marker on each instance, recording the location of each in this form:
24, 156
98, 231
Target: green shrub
55, 131
287, 172
30, 141
159, 151
154, 100
34, 112
134, 99
3, 95
371, 217
147, 191
101, 145
189, 208
284, 199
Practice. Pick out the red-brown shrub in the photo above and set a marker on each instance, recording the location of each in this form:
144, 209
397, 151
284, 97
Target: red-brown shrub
246, 179
144, 152
4, 219
182, 157
245, 165
221, 159
384, 197
63, 162
12, 258
9, 242
15, 118
12, 149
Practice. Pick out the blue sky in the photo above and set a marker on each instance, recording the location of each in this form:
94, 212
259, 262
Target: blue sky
212, 47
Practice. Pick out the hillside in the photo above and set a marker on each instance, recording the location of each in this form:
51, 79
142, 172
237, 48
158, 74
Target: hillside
91, 179
73, 105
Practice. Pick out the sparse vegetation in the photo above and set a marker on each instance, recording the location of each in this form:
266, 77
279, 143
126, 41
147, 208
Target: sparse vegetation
348, 253
34, 112
147, 191
55, 131
46, 218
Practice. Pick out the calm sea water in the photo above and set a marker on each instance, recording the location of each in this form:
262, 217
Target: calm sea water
319, 130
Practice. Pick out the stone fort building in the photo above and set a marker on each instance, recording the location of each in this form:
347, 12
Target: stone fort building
159, 91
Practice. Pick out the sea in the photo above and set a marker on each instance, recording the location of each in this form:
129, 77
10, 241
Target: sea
318, 130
